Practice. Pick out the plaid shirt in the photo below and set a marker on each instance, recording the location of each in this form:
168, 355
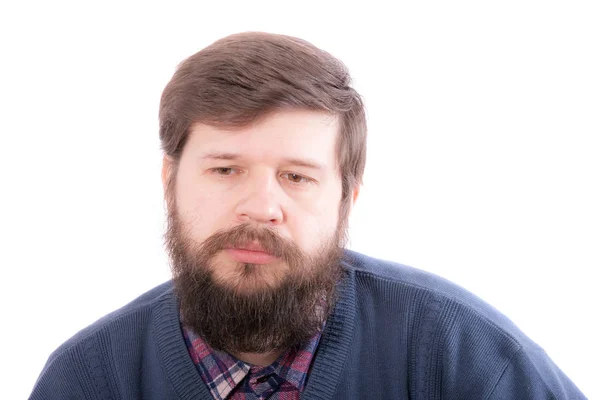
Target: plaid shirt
229, 378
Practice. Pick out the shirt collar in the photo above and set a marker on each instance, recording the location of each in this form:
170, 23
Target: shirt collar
222, 372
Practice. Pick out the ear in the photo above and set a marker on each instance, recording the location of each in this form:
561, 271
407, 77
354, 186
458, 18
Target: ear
167, 169
355, 193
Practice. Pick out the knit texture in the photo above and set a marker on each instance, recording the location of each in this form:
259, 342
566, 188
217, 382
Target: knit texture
395, 333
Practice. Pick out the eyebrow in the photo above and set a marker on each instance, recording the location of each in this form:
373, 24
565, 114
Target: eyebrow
288, 160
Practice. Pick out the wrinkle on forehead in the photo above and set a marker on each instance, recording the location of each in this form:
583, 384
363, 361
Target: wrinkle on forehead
298, 135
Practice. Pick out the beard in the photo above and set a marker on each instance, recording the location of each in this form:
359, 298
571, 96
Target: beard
244, 312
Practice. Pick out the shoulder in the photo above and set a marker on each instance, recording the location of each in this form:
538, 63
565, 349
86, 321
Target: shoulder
132, 317
370, 268
89, 364
473, 348
435, 291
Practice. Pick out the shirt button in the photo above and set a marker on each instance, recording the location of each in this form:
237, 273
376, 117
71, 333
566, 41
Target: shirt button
262, 379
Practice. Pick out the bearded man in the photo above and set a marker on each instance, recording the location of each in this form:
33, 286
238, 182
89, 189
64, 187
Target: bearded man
264, 146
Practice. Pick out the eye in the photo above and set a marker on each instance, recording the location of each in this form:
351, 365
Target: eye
223, 171
297, 179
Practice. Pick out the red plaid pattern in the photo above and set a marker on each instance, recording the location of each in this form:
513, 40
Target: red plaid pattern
229, 378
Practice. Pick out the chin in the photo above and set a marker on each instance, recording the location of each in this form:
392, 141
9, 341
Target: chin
249, 278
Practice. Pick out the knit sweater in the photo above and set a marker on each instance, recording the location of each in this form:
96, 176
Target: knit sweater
396, 332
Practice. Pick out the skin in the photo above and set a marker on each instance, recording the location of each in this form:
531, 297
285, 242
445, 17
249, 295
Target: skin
263, 182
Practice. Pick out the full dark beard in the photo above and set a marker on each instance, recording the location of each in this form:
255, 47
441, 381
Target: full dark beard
267, 317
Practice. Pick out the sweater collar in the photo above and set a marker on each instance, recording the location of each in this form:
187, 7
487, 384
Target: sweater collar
334, 348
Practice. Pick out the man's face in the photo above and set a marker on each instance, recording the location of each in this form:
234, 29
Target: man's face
254, 229
255, 175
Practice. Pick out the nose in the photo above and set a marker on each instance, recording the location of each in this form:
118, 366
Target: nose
261, 200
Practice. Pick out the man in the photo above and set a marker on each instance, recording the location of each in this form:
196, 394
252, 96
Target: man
264, 150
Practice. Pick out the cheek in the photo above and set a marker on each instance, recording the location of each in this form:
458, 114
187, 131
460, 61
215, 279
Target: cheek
309, 232
200, 211
316, 221
192, 196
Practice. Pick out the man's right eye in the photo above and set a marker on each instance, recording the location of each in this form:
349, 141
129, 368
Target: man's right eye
223, 171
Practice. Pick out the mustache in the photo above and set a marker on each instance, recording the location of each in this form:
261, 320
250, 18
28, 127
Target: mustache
244, 234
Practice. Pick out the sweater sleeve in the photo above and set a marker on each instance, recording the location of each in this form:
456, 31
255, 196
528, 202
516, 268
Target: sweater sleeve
531, 375
74, 371
60, 379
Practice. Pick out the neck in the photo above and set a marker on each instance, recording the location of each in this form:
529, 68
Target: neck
261, 359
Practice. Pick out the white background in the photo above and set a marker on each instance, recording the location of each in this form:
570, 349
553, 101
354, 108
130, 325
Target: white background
483, 157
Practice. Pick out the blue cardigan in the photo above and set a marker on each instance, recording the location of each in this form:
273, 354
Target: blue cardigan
396, 332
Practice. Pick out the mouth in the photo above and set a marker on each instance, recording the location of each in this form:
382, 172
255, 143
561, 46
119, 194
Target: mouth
250, 253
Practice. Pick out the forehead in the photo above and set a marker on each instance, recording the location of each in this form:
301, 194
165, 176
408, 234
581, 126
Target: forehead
297, 134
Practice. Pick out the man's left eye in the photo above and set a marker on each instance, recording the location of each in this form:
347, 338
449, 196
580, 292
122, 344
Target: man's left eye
296, 178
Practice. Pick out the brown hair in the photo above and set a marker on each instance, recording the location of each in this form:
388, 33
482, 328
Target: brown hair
242, 77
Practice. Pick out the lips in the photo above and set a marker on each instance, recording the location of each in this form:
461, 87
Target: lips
251, 253
252, 247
